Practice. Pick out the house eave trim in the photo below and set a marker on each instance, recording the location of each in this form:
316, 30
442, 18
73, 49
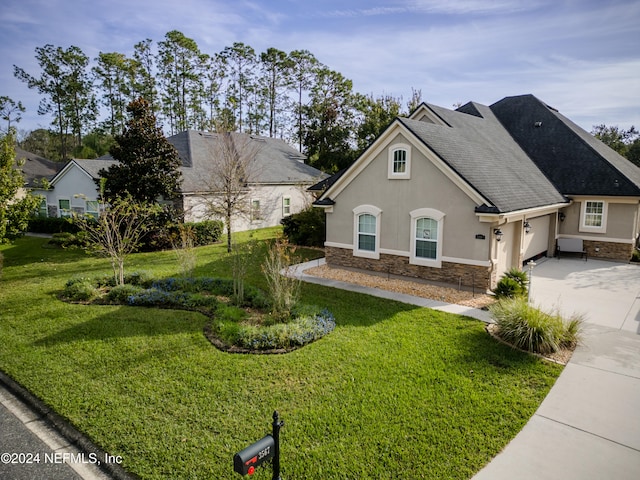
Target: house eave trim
518, 214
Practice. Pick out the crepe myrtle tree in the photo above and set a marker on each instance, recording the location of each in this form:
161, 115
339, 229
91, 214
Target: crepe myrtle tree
233, 157
118, 230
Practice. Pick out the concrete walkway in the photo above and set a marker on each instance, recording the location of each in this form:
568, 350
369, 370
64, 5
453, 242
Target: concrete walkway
588, 427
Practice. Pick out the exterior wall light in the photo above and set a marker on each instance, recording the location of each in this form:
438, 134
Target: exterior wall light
562, 216
498, 233
527, 227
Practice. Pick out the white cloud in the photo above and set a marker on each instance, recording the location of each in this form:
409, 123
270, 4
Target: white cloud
578, 56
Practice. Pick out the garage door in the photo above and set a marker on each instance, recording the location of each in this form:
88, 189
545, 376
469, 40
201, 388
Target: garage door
537, 240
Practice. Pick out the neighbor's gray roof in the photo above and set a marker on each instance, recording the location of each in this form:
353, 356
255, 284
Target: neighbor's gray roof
93, 166
36, 167
478, 148
276, 162
574, 160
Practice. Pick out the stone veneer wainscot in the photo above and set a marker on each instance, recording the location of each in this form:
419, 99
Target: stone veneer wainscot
452, 273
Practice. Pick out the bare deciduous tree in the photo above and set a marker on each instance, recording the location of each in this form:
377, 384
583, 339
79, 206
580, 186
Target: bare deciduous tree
234, 168
118, 231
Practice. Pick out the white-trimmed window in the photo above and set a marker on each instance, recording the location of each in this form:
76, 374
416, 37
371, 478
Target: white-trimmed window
286, 206
366, 229
43, 209
255, 210
593, 216
92, 208
426, 237
64, 207
400, 161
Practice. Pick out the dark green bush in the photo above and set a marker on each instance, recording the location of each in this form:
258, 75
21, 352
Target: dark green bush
120, 294
206, 232
69, 240
514, 283
52, 225
507, 288
81, 290
306, 228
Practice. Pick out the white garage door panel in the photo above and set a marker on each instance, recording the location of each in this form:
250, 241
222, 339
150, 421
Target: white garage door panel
537, 240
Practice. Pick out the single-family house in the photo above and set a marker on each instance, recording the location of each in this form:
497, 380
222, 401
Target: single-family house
276, 187
35, 169
463, 196
73, 189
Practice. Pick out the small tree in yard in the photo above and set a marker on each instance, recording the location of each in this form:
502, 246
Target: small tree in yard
241, 259
183, 246
234, 167
118, 231
14, 212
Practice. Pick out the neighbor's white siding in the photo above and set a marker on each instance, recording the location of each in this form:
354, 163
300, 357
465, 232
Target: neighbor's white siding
271, 200
73, 185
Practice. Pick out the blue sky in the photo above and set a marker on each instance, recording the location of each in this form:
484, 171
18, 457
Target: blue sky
579, 56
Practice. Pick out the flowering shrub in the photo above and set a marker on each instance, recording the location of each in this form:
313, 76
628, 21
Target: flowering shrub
153, 297
230, 323
295, 333
253, 297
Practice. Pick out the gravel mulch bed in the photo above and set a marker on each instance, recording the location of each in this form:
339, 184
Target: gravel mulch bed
424, 290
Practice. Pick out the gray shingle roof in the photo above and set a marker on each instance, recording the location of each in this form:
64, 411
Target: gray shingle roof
482, 152
36, 167
276, 162
93, 166
575, 161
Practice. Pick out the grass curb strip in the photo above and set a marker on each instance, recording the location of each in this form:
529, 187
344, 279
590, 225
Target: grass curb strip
64, 428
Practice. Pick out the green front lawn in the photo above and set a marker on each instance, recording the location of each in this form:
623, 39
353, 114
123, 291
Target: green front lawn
394, 391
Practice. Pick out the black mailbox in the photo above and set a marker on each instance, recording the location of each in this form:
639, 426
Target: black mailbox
246, 461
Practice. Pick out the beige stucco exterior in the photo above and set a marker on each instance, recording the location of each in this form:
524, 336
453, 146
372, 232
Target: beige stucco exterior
478, 240
469, 251
616, 239
427, 187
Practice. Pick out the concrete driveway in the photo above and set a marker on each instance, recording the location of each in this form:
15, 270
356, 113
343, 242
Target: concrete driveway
607, 293
587, 427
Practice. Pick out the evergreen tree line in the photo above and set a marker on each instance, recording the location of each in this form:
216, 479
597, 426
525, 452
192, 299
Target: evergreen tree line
292, 96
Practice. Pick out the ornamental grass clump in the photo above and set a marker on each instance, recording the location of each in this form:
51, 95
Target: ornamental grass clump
284, 288
529, 328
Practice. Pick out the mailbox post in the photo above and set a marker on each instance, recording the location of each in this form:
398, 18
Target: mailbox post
246, 461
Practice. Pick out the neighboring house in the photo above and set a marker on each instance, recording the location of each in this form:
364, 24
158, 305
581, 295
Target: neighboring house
463, 196
277, 183
73, 189
277, 189
36, 170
